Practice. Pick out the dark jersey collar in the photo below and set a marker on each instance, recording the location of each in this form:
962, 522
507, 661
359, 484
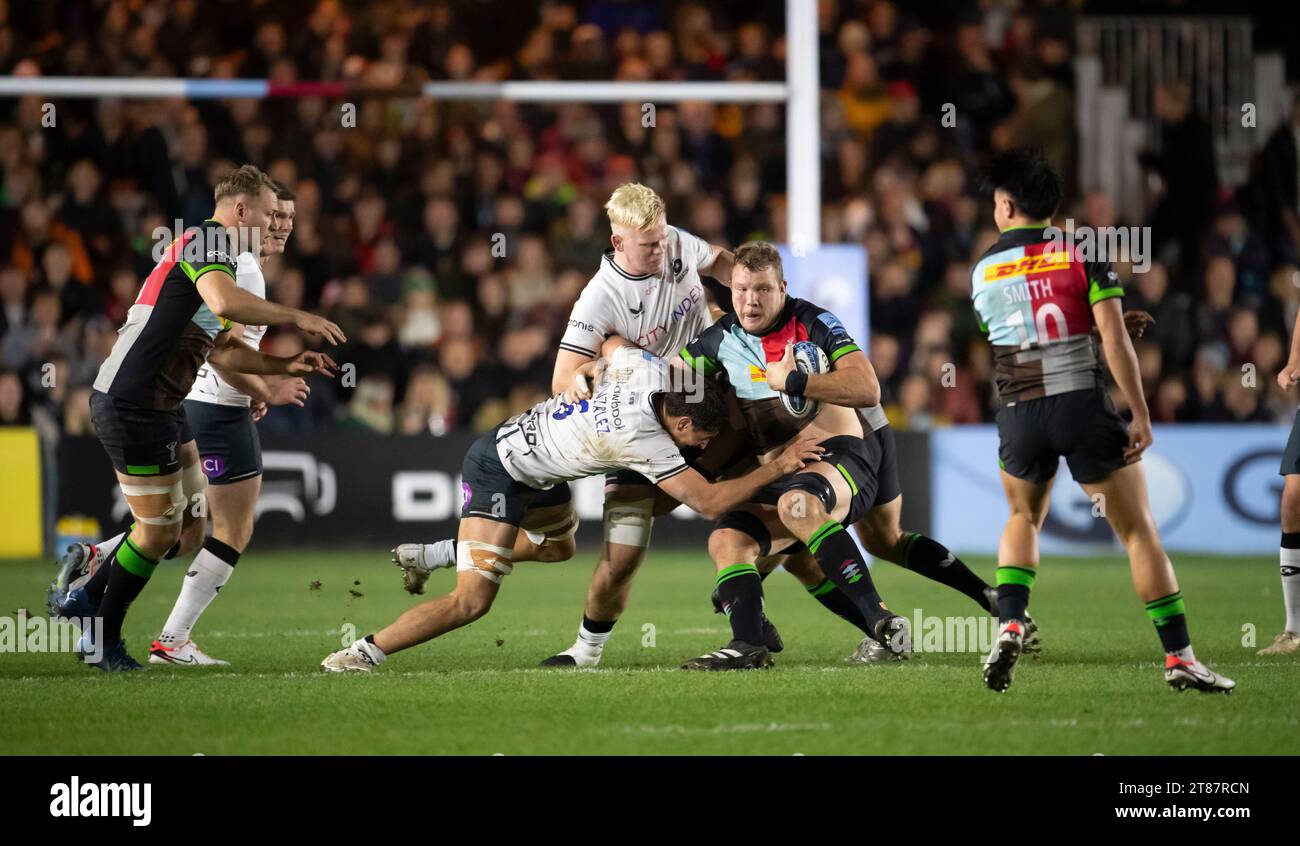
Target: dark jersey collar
1018, 236
609, 257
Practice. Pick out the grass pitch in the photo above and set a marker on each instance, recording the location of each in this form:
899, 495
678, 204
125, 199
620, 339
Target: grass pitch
1097, 687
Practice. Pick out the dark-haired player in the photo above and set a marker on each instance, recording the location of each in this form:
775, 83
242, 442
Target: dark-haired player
180, 319
1038, 299
640, 417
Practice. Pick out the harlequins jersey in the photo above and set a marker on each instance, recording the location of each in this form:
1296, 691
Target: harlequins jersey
169, 331
1034, 296
725, 347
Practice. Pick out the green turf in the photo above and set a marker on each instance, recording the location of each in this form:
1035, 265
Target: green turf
1096, 689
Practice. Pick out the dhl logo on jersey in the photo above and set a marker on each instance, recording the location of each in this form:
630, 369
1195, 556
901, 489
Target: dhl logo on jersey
757, 374
1027, 265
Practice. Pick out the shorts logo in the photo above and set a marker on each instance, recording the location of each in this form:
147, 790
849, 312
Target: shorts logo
171, 452
466, 494
213, 466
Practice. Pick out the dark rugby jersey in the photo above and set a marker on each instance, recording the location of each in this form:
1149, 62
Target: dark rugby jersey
169, 331
725, 348
1034, 297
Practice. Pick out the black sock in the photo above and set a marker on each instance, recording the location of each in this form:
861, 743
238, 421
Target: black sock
741, 590
597, 626
1170, 619
834, 600
933, 560
98, 581
131, 572
844, 564
1014, 584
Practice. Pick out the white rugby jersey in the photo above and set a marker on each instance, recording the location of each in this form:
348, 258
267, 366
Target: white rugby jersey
208, 385
659, 313
616, 429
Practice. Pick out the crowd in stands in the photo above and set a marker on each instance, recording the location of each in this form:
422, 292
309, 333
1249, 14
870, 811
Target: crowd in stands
450, 239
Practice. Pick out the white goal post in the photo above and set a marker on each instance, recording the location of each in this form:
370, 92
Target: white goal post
799, 92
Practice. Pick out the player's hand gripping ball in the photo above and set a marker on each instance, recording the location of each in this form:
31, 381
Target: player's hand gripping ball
808, 358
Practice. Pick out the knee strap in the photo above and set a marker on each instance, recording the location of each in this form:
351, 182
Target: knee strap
629, 523
817, 485
172, 515
558, 531
490, 562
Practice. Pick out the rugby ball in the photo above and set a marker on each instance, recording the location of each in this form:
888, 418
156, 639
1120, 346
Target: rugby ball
808, 358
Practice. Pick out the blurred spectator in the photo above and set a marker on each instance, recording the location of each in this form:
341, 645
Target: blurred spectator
449, 239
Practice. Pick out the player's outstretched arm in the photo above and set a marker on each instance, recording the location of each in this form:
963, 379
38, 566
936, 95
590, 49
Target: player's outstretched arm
255, 386
852, 382
230, 301
715, 499
720, 267
233, 354
1123, 364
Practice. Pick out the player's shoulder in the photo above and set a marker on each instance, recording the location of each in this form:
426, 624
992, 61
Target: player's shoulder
609, 278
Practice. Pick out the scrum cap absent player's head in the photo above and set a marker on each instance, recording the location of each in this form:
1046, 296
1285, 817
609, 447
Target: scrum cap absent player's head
1025, 188
639, 227
758, 288
246, 201
694, 412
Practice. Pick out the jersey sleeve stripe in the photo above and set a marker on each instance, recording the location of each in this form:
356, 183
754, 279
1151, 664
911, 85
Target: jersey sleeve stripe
668, 474
194, 274
700, 362
1096, 293
565, 345
843, 351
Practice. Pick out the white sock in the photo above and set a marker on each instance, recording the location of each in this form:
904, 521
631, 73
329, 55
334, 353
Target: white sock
1185, 654
205, 577
376, 654
1291, 587
593, 641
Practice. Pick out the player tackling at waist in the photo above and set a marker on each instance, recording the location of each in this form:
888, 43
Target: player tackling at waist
517, 505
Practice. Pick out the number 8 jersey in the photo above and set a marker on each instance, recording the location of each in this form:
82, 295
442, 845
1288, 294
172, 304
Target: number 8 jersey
1034, 296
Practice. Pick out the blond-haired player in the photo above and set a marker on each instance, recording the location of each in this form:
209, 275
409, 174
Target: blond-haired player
647, 290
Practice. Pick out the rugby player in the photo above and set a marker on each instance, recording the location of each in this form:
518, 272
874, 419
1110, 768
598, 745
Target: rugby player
647, 290
180, 319
1287, 641
856, 480
219, 410
641, 416
1038, 303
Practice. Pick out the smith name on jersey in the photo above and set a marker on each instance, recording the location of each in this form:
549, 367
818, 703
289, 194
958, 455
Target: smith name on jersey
169, 331
1034, 296
618, 428
657, 312
208, 385
725, 348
